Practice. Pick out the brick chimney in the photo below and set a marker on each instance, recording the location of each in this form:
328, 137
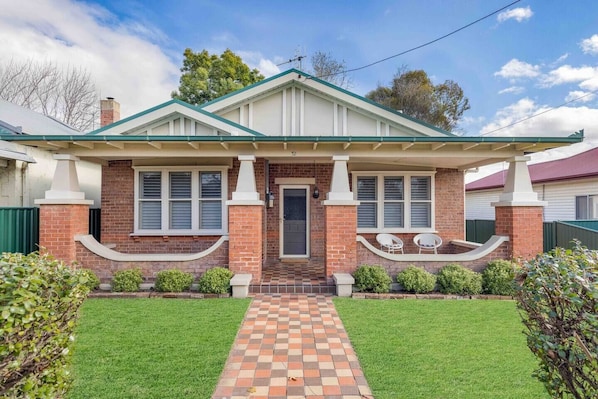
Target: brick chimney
109, 111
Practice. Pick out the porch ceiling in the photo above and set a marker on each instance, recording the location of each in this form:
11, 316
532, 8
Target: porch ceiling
446, 152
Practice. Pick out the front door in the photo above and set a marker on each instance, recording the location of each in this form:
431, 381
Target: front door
294, 209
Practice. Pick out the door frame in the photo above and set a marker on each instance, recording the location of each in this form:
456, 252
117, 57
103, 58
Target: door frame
305, 187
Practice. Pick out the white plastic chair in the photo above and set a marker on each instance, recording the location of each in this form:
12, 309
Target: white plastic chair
427, 242
390, 242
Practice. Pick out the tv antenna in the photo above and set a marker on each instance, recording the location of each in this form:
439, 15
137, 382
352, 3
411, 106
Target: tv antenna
297, 58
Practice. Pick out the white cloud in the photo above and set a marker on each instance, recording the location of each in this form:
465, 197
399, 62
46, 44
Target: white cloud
518, 69
255, 59
121, 58
512, 90
580, 96
568, 74
518, 14
590, 45
561, 59
559, 122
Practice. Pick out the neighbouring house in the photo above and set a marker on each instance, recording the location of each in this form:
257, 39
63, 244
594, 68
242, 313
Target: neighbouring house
291, 170
569, 187
26, 172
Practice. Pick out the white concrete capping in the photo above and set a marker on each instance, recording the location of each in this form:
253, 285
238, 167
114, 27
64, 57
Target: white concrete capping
519, 203
344, 284
97, 248
485, 249
65, 157
245, 202
340, 158
350, 202
240, 284
61, 201
246, 158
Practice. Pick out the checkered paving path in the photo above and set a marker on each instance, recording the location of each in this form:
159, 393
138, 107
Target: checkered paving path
292, 346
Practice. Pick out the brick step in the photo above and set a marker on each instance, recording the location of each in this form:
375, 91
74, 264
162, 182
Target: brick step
292, 289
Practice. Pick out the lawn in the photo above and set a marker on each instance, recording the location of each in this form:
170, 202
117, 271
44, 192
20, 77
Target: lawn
153, 348
433, 349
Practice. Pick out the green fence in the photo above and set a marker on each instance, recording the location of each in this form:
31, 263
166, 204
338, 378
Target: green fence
19, 228
556, 234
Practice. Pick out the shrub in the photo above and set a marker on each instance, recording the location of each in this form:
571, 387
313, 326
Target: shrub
173, 281
455, 279
557, 297
499, 278
127, 280
372, 279
215, 281
93, 282
417, 280
39, 300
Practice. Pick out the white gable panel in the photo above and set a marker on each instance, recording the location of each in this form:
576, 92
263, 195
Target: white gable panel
233, 116
318, 116
360, 125
265, 115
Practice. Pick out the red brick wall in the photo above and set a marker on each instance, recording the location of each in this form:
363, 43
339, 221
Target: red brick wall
58, 226
341, 247
365, 257
105, 268
450, 204
524, 226
245, 246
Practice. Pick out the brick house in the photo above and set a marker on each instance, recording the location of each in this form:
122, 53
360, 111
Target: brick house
291, 172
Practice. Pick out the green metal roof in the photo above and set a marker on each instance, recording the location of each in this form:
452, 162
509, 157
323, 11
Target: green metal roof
182, 103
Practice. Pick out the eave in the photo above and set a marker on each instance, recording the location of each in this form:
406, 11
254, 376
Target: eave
450, 152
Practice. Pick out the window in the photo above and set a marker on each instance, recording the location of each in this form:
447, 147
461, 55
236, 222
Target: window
393, 201
180, 201
586, 207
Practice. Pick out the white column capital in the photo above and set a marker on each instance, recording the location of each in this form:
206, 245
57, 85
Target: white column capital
340, 193
246, 190
65, 184
518, 189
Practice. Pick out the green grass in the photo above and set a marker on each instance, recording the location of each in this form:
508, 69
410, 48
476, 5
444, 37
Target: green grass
153, 348
441, 349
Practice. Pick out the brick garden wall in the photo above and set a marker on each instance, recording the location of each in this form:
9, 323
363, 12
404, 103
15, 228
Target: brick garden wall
105, 268
365, 257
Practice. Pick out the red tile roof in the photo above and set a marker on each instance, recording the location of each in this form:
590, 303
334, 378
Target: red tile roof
584, 164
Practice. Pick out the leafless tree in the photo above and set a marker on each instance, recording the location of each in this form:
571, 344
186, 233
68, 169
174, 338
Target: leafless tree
327, 68
66, 94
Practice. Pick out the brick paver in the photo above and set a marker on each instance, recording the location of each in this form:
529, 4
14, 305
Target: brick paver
292, 346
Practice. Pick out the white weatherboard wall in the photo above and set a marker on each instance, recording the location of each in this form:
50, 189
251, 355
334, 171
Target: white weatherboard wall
559, 195
21, 183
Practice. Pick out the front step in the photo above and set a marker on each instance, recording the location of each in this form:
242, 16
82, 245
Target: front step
292, 289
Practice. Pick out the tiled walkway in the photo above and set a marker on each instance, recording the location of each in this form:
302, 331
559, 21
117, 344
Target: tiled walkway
292, 346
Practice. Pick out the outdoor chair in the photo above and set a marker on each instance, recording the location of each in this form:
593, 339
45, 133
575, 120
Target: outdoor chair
390, 243
427, 242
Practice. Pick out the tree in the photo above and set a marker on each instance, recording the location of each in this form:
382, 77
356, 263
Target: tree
208, 76
327, 68
66, 94
414, 94
558, 301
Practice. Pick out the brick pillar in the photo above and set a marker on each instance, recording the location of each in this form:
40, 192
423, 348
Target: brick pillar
341, 244
341, 221
245, 249
519, 213
245, 224
524, 226
64, 212
59, 224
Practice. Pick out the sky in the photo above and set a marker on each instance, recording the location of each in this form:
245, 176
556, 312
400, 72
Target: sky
533, 65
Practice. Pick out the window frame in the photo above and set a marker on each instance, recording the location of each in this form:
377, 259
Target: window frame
380, 201
590, 206
166, 200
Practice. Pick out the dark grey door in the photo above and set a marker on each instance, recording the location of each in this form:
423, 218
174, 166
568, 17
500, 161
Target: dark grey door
294, 222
